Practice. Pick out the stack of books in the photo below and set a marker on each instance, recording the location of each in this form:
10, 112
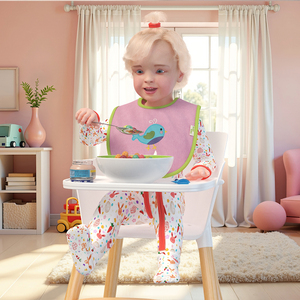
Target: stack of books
20, 181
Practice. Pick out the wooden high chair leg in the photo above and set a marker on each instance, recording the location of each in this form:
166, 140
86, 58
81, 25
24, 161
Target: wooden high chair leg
211, 286
74, 286
112, 272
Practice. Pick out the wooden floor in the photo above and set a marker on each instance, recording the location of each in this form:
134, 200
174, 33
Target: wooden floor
26, 260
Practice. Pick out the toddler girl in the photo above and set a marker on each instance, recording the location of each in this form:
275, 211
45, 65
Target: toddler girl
159, 62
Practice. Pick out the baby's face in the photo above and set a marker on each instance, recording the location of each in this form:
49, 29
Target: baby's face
155, 76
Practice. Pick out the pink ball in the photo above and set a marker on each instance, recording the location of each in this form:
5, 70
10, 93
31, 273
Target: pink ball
269, 216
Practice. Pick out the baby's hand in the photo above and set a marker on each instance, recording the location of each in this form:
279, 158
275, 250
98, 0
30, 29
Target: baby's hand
197, 174
86, 116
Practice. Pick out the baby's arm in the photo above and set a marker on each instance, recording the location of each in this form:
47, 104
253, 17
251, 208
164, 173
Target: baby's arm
203, 155
90, 135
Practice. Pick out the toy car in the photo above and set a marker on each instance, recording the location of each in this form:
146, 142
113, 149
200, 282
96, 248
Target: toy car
11, 135
69, 218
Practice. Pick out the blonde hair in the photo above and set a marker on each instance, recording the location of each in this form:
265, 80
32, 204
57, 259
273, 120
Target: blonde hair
140, 45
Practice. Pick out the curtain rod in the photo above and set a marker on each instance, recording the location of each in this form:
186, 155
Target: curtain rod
274, 7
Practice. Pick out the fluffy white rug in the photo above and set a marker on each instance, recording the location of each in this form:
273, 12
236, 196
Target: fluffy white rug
239, 257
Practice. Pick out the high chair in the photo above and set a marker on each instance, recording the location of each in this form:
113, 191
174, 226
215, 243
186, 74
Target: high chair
199, 197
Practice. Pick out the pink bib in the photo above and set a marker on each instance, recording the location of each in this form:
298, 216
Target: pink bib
168, 130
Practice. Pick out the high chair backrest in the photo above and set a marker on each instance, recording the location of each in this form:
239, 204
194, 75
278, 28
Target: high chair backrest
199, 206
218, 142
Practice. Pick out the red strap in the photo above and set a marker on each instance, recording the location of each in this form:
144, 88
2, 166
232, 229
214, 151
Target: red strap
97, 116
147, 204
161, 214
194, 167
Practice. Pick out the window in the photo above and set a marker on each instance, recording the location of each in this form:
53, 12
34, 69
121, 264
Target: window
202, 88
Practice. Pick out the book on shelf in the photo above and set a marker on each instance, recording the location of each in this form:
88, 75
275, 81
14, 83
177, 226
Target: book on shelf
15, 183
17, 178
21, 174
20, 187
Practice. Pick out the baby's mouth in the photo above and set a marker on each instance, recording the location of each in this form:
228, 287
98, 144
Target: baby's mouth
150, 89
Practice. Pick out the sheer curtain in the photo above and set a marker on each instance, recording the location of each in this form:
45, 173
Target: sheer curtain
101, 81
245, 111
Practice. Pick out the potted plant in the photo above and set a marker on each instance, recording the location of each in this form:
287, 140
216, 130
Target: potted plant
35, 98
35, 134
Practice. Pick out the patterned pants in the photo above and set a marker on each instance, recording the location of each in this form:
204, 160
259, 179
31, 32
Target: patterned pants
89, 243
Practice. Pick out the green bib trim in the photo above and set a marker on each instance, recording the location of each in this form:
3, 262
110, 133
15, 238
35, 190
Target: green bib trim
192, 148
155, 107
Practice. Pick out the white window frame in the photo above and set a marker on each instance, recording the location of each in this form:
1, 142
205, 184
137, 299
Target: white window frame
203, 31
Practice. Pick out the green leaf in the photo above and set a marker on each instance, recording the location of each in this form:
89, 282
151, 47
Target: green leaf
35, 97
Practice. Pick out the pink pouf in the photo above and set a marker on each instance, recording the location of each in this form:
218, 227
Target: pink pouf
269, 216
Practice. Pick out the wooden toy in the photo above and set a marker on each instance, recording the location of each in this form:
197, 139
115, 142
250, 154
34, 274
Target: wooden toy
71, 217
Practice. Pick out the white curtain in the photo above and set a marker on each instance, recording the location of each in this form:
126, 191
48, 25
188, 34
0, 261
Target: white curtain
101, 81
245, 111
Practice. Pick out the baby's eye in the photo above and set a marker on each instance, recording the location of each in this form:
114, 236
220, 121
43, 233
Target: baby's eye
160, 71
139, 71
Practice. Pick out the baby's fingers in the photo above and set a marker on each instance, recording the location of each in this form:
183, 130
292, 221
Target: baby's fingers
197, 174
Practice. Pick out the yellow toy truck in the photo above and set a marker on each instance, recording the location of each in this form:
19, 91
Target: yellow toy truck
69, 218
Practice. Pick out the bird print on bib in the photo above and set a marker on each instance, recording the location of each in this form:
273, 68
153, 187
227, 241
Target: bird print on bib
152, 135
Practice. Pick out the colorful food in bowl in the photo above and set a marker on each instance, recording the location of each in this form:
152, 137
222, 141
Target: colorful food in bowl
126, 155
148, 169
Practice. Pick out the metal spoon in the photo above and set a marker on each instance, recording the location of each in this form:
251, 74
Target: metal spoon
126, 129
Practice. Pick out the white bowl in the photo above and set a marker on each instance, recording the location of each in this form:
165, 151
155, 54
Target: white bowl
142, 170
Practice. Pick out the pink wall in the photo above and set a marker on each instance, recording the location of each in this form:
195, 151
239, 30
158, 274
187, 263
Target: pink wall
285, 41
39, 38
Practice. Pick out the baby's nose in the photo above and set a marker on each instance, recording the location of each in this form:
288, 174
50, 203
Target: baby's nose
149, 77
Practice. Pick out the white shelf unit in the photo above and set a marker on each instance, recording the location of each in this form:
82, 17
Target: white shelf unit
40, 165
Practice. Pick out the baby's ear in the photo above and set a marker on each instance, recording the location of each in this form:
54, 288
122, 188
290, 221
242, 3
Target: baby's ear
180, 77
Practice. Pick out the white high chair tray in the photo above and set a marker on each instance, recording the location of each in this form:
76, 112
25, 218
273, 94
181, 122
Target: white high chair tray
162, 185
